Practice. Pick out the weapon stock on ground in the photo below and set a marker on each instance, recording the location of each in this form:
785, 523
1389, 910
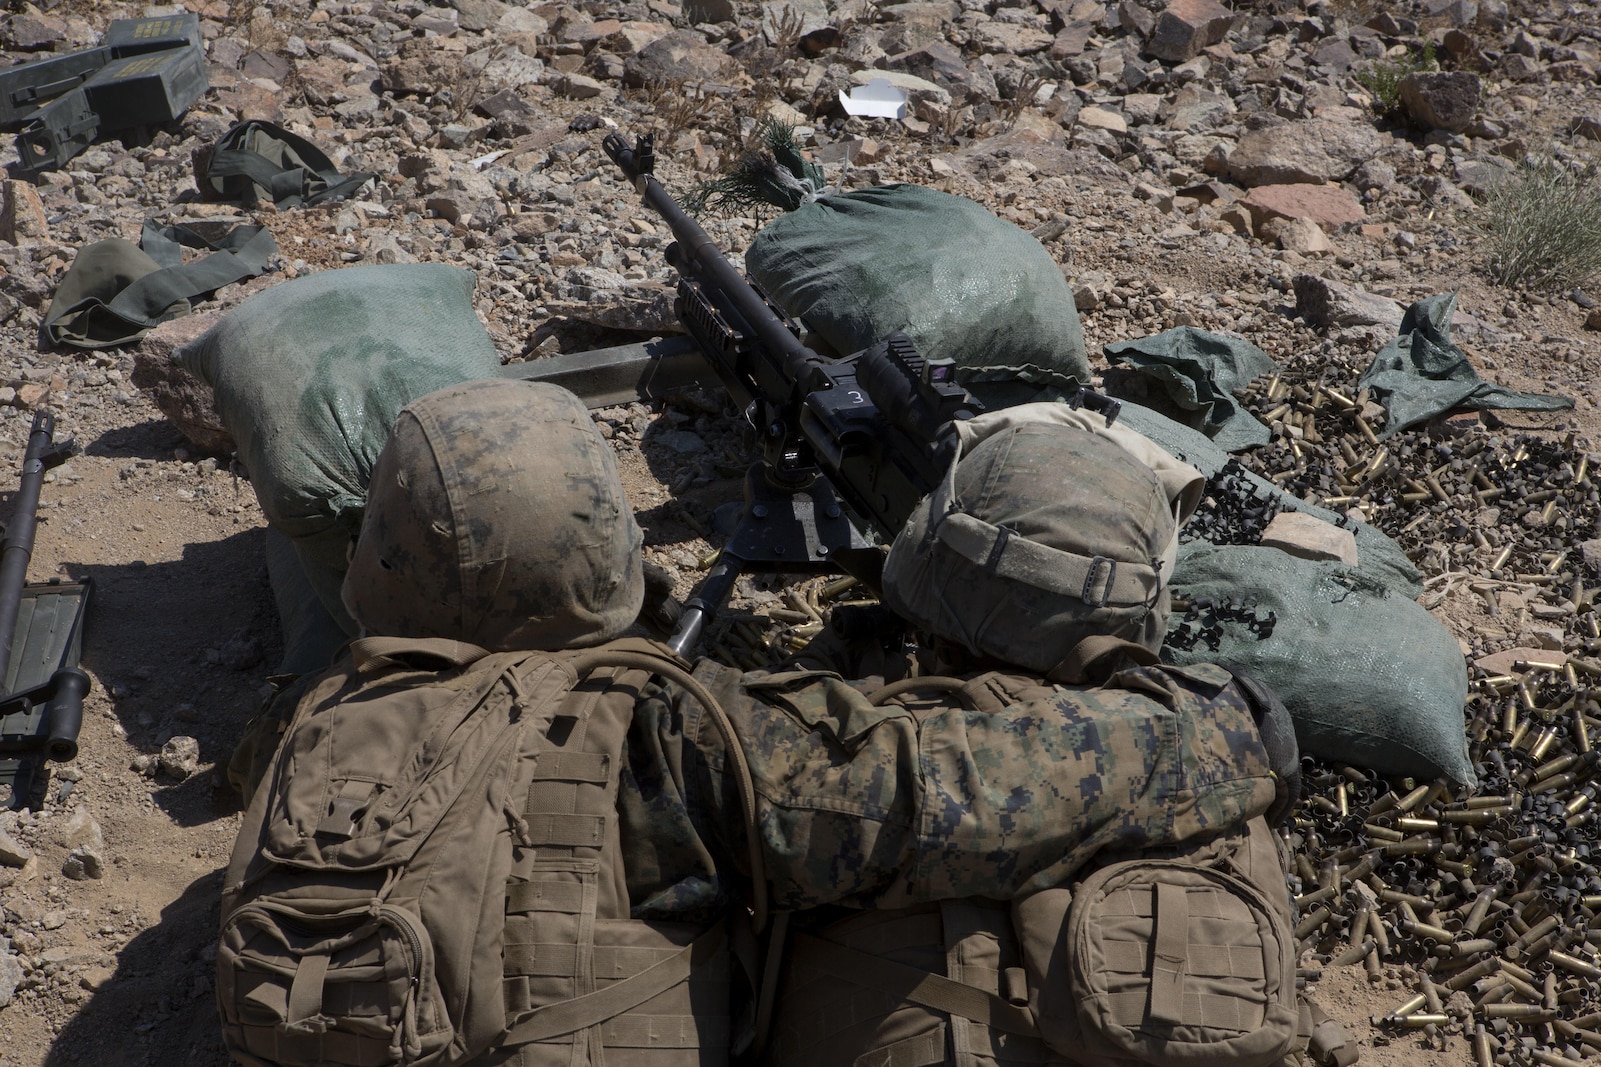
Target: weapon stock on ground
874, 426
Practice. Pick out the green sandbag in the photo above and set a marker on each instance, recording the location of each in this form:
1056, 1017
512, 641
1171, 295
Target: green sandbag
1370, 677
962, 283
310, 375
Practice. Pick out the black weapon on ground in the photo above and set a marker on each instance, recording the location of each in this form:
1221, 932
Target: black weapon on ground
41, 637
870, 432
147, 71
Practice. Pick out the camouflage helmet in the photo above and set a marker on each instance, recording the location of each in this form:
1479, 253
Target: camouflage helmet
1049, 528
495, 516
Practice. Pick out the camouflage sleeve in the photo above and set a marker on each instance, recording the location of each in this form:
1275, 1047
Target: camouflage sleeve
1019, 801
888, 807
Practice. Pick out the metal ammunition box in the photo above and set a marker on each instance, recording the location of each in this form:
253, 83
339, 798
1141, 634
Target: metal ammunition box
152, 88
132, 37
26, 86
56, 132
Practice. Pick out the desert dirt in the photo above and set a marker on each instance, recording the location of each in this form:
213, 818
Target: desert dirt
183, 632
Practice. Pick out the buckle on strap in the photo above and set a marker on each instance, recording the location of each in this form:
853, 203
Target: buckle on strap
1088, 594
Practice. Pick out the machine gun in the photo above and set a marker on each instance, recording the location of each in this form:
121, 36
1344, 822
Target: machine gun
872, 432
41, 639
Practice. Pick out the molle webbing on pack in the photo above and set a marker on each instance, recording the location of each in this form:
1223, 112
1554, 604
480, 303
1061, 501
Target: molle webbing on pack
578, 970
431, 874
938, 984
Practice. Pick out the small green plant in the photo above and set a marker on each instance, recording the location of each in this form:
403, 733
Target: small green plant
1542, 224
1383, 77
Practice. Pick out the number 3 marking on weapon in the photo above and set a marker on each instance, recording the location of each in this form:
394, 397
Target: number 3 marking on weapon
856, 397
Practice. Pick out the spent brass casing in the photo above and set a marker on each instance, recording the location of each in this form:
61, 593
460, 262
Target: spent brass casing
1473, 947
1483, 1052
1478, 910
1554, 766
1317, 896
1538, 930
1414, 798
1408, 1008
1514, 1011
1463, 979
1312, 922
1507, 800
1380, 937
1410, 823
1552, 1059
1417, 929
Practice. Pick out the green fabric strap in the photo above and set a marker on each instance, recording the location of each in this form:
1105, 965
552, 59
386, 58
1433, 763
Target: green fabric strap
279, 165
116, 291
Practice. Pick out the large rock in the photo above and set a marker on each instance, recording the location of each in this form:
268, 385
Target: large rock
1315, 150
680, 56
1186, 27
423, 66
10, 976
1441, 99
941, 64
1310, 538
1325, 303
1330, 206
1195, 109
912, 26
22, 214
1011, 38
184, 398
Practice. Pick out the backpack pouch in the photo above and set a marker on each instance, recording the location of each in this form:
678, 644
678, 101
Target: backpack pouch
352, 987
1174, 961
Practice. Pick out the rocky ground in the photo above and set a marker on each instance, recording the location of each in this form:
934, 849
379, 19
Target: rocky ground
1232, 170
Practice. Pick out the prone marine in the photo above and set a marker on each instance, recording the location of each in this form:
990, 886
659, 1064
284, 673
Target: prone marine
867, 856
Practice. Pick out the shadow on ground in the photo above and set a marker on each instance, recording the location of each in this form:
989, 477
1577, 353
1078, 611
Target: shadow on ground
157, 1008
183, 648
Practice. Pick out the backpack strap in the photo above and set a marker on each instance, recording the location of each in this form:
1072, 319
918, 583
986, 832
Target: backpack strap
917, 985
1327, 1041
937, 683
647, 657
113, 294
608, 1002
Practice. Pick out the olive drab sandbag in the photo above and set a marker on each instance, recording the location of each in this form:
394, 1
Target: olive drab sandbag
309, 377
431, 873
962, 283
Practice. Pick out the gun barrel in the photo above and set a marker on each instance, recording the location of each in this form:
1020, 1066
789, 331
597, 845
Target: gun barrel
18, 545
694, 243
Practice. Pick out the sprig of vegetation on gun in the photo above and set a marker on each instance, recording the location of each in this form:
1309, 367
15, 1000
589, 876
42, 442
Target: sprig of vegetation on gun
772, 171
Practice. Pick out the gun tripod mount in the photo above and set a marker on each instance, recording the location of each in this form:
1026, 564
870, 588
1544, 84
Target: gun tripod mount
790, 522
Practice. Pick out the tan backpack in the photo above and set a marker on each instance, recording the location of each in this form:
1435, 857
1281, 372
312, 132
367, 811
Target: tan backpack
430, 873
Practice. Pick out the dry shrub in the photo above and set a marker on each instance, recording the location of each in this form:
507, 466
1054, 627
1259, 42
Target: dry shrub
1542, 224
